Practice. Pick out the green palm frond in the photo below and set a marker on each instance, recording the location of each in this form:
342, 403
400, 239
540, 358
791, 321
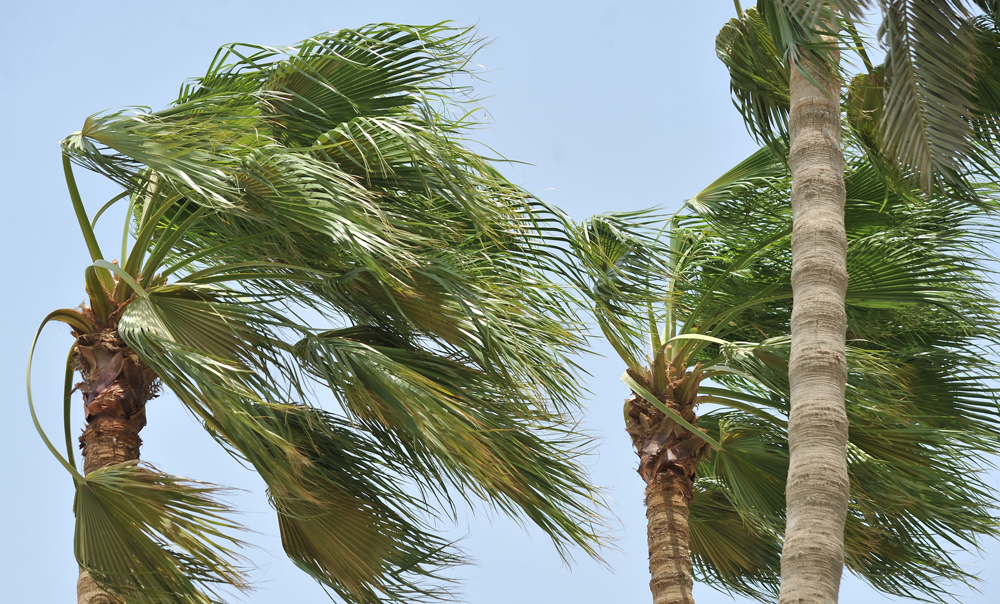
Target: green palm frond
755, 172
343, 521
313, 216
146, 536
752, 464
811, 13
929, 64
921, 334
726, 552
621, 258
984, 93
342, 518
455, 423
759, 79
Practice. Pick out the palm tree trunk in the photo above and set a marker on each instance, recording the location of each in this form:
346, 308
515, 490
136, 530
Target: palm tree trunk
668, 459
817, 491
106, 441
116, 387
667, 498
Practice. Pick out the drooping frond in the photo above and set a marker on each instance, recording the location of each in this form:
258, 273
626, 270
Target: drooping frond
312, 217
622, 259
726, 552
921, 334
929, 66
758, 78
150, 537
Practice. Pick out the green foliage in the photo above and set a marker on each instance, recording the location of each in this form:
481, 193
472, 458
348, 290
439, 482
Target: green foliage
312, 218
759, 79
151, 537
930, 111
921, 330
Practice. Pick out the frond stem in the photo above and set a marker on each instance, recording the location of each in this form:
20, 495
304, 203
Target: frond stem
93, 222
67, 396
31, 404
859, 45
81, 216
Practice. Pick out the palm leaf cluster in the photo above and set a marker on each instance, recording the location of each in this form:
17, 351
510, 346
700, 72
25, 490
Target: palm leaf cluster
921, 334
311, 218
930, 109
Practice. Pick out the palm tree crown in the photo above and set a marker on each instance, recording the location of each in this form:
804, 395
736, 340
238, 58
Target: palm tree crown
311, 216
929, 109
921, 335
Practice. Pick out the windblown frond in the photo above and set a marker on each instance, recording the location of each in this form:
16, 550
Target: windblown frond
150, 537
921, 334
929, 66
759, 79
311, 217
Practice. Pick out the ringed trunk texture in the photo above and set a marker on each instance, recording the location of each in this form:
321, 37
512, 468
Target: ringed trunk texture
106, 441
115, 389
667, 499
812, 559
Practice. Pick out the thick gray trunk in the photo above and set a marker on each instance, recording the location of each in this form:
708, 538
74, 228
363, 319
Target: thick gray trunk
817, 492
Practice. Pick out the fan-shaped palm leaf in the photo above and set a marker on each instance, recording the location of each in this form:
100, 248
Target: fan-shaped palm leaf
921, 324
331, 180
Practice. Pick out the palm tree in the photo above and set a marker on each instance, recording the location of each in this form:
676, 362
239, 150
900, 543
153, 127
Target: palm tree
929, 111
311, 216
920, 326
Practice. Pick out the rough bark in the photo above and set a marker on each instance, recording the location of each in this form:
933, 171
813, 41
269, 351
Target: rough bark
667, 498
115, 390
817, 490
668, 457
87, 592
105, 442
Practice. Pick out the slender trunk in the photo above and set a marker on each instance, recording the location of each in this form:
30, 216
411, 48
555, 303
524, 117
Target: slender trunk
668, 457
667, 498
106, 441
817, 491
116, 387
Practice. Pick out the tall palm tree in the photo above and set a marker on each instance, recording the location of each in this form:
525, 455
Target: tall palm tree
929, 111
311, 216
920, 325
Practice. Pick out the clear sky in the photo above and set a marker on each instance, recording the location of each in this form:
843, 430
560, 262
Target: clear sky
610, 105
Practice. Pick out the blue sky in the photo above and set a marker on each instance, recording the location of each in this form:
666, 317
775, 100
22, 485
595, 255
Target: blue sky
609, 106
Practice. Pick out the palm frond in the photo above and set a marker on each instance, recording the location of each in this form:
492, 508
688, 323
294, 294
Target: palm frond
146, 536
727, 552
758, 77
752, 463
929, 65
623, 262
812, 13
456, 423
758, 171
343, 521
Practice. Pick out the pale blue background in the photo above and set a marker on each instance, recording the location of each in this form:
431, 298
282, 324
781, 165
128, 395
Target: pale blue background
613, 106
